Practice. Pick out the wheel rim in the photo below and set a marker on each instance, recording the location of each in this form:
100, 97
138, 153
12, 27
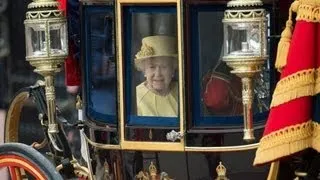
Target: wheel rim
14, 161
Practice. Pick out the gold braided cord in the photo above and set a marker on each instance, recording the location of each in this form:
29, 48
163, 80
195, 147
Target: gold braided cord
307, 10
284, 142
294, 86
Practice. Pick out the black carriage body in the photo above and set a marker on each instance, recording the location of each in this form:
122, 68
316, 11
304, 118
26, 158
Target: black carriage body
202, 43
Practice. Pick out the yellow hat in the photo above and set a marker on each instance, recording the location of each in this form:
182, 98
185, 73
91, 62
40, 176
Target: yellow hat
157, 46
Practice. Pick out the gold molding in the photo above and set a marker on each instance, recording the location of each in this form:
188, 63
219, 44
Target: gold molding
222, 148
152, 146
146, 1
138, 145
100, 145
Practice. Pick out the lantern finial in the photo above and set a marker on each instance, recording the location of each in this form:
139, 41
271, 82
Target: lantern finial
43, 4
243, 3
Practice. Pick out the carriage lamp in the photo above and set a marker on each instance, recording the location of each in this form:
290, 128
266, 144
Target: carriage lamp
245, 49
46, 47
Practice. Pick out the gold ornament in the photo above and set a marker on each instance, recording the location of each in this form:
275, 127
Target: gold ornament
222, 172
145, 51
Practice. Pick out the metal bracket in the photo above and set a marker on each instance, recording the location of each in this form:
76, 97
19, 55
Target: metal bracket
173, 136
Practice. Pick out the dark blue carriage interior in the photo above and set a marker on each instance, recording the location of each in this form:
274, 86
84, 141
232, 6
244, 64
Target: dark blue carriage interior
132, 120
99, 63
100, 87
212, 52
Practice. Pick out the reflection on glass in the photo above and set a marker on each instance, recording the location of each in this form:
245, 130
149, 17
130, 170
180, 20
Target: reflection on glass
217, 93
222, 91
157, 95
153, 65
243, 39
57, 38
37, 43
102, 68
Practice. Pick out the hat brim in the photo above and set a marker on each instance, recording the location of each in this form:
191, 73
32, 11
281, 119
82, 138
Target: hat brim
137, 60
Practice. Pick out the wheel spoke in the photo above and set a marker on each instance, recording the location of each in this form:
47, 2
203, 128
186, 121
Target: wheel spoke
13, 173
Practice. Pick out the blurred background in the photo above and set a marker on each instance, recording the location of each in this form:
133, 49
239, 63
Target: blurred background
16, 73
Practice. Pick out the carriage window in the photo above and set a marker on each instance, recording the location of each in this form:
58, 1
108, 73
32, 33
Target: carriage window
216, 92
151, 77
100, 64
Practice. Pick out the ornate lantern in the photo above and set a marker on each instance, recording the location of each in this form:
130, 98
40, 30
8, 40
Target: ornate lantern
245, 49
46, 47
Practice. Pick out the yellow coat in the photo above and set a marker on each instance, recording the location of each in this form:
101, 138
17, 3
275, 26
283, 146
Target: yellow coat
151, 104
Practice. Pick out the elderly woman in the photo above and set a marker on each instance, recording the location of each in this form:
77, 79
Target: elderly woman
158, 94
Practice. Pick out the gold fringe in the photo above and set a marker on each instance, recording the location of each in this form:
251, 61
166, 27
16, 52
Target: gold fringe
308, 10
310, 2
284, 142
317, 83
297, 85
316, 136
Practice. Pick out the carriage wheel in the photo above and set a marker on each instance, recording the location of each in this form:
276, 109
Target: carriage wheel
17, 156
19, 128
13, 116
13, 130
24, 130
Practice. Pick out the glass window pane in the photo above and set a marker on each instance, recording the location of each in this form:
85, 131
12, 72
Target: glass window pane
216, 92
101, 65
58, 39
151, 74
36, 40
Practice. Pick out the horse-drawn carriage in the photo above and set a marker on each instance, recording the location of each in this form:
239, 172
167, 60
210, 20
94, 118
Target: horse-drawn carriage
158, 100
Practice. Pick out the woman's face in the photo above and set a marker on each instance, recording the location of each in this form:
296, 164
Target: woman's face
159, 72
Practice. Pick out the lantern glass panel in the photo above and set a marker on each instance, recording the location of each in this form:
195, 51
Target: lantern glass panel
58, 39
243, 39
36, 45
